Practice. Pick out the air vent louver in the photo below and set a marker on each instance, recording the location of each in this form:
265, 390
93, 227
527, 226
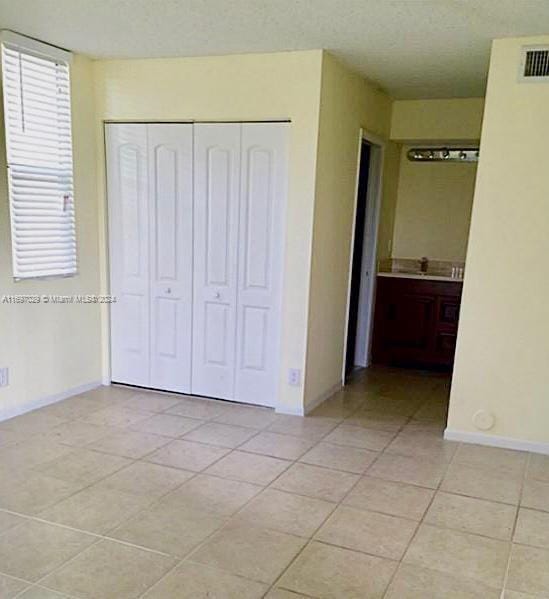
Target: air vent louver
535, 64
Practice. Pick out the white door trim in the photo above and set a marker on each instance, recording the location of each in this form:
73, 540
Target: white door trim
373, 207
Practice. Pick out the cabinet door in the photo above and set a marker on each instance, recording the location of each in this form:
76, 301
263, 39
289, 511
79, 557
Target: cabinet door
129, 252
260, 264
216, 205
170, 163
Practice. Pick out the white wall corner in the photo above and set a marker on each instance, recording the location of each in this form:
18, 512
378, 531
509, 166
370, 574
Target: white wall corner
304, 410
496, 441
7, 413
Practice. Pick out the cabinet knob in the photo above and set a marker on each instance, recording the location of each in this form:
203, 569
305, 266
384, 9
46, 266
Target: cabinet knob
217, 295
169, 290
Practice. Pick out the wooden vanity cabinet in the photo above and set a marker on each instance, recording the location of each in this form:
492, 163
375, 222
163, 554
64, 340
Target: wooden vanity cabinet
415, 322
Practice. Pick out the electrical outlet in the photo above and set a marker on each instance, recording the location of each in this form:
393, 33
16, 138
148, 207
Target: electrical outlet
294, 377
4, 380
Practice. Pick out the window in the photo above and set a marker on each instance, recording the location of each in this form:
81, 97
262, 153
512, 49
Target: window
37, 115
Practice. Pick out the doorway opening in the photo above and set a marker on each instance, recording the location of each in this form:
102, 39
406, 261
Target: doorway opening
363, 256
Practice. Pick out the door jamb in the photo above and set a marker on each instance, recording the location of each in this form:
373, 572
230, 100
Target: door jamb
373, 208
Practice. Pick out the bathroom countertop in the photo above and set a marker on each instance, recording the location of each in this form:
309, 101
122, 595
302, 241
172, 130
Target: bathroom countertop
424, 276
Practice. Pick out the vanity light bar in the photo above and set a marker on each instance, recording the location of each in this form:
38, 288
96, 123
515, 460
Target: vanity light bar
443, 154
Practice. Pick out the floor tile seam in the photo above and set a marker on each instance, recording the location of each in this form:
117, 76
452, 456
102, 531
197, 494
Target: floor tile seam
414, 536
515, 523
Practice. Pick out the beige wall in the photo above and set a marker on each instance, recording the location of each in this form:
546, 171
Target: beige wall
433, 209
248, 87
52, 348
348, 103
503, 343
429, 120
387, 213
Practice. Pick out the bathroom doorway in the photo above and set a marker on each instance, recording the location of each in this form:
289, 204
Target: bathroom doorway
363, 255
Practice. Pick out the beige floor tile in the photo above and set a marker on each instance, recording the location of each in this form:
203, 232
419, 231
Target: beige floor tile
278, 445
83, 466
152, 402
358, 436
8, 438
532, 528
336, 573
32, 423
117, 416
538, 467
129, 444
95, 510
340, 457
370, 532
451, 551
310, 427
424, 426
221, 435
412, 470
167, 425
32, 453
35, 493
535, 495
10, 587
250, 416
285, 512
249, 467
197, 407
168, 528
110, 393
111, 571
196, 581
397, 499
422, 445
188, 455
314, 481
473, 515
217, 496
34, 549
402, 407
70, 409
507, 594
529, 570
78, 434
143, 479
262, 554
283, 594
412, 582
8, 521
432, 411
375, 420
482, 482
495, 458
40, 592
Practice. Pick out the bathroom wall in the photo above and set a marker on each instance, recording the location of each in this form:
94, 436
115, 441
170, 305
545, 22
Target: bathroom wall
433, 209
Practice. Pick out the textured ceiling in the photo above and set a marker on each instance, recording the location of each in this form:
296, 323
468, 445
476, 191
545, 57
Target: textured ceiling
410, 48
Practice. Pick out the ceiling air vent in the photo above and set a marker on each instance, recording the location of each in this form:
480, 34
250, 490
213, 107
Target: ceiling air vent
535, 64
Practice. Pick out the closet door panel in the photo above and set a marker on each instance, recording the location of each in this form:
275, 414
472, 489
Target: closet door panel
261, 252
170, 159
216, 197
129, 252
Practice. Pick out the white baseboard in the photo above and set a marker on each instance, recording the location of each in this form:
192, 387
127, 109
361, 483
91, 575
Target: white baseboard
496, 441
304, 410
7, 413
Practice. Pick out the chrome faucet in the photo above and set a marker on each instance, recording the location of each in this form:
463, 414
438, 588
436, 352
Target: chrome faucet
424, 264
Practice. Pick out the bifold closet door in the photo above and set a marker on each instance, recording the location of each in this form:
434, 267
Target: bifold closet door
170, 161
260, 265
216, 212
240, 198
129, 252
149, 174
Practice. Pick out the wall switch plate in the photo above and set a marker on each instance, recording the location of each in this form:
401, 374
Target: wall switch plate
4, 380
294, 377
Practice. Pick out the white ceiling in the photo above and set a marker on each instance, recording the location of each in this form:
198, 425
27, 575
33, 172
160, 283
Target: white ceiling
410, 48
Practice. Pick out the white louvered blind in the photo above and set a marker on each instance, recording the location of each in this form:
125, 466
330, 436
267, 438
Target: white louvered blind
37, 113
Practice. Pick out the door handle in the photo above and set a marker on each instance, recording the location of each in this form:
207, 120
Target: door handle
217, 295
169, 291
